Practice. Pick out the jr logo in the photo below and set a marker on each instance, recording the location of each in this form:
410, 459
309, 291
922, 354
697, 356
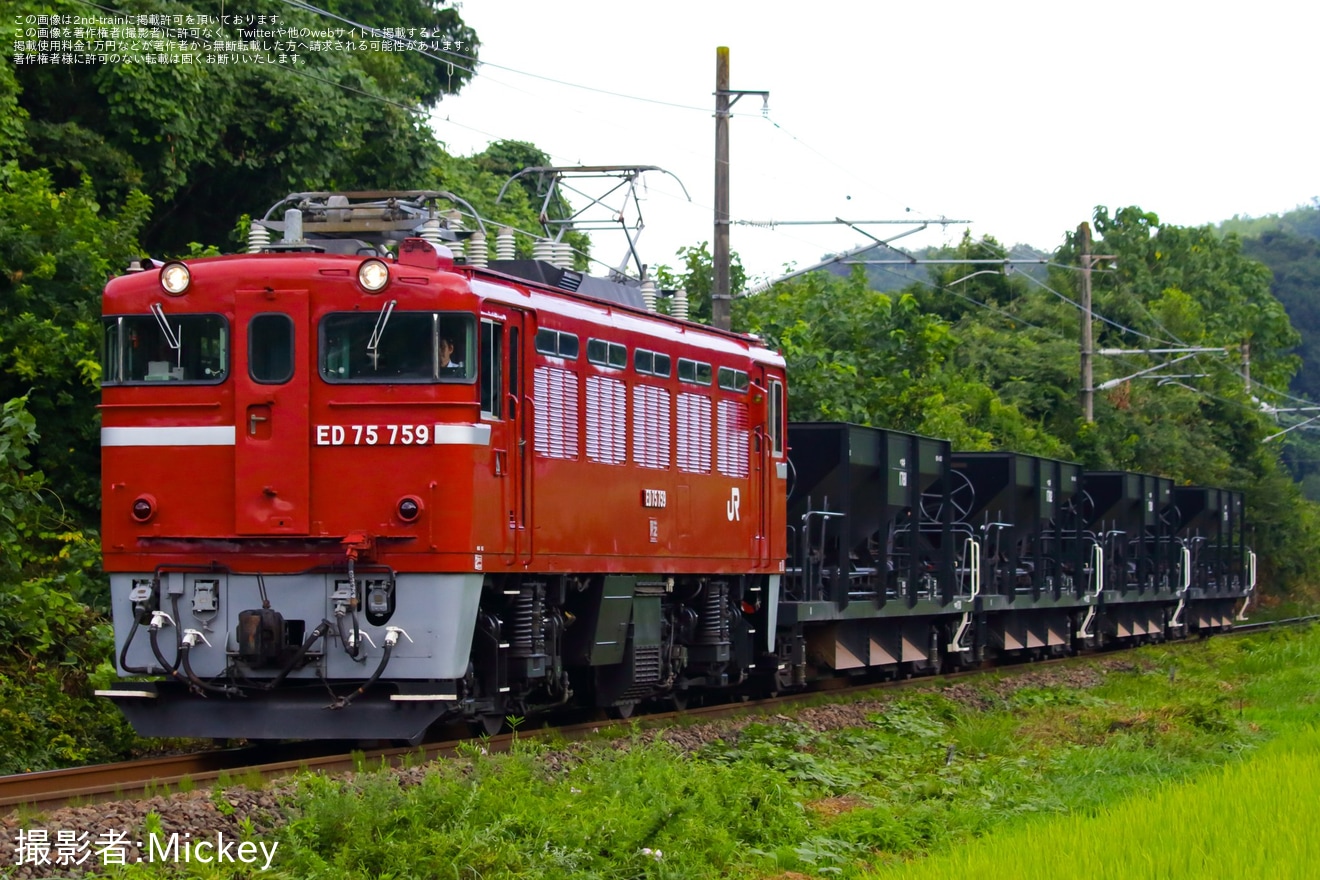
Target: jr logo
731, 506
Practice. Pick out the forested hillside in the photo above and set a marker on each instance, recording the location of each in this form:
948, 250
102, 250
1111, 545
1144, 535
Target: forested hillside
1289, 244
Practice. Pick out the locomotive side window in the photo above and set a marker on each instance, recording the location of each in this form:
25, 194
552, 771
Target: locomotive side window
270, 348
491, 362
556, 343
696, 372
607, 354
165, 348
733, 380
651, 363
404, 347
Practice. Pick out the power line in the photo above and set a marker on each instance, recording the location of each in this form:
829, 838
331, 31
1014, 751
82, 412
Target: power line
976, 302
850, 172
1095, 314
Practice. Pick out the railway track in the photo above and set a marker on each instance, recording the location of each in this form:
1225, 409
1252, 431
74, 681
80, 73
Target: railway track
133, 779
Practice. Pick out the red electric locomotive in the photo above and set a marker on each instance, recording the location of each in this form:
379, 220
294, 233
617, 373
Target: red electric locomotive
353, 486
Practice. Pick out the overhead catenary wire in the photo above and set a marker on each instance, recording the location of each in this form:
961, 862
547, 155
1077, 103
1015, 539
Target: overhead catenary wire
1200, 362
1095, 314
976, 302
846, 170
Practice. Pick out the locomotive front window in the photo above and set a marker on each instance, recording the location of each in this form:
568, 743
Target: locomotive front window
270, 348
389, 346
165, 348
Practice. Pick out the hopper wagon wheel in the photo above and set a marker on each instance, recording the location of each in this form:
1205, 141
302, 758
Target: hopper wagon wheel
624, 709
488, 724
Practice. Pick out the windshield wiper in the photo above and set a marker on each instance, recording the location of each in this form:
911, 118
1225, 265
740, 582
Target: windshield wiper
170, 338
373, 344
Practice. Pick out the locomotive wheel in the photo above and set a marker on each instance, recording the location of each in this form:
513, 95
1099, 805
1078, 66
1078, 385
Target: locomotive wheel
679, 699
624, 709
489, 725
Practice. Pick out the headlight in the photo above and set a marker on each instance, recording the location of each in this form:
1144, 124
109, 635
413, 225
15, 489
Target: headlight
175, 278
144, 508
373, 275
410, 507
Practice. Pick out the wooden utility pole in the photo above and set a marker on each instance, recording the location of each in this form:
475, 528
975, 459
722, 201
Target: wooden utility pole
720, 295
1088, 392
720, 304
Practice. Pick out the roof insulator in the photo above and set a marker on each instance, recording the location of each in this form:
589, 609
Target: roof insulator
258, 237
563, 255
680, 304
504, 245
648, 293
476, 247
455, 219
544, 250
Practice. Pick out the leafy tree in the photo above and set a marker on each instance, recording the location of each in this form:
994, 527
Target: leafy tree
211, 142
858, 355
697, 279
1303, 221
50, 638
1294, 259
57, 253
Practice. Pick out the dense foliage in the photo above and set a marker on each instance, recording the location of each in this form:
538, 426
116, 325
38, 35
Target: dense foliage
1289, 244
54, 644
212, 141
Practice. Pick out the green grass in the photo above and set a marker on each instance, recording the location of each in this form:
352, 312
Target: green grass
1250, 819
938, 771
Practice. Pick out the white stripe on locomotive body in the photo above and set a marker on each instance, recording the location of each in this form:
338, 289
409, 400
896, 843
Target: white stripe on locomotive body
174, 435
224, 435
461, 435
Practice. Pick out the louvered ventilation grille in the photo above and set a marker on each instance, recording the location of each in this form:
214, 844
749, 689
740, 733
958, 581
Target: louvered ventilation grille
556, 397
733, 439
607, 420
650, 427
694, 433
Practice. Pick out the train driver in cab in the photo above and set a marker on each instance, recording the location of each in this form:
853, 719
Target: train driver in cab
450, 363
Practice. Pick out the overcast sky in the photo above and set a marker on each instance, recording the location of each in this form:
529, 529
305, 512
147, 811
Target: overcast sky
1019, 116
